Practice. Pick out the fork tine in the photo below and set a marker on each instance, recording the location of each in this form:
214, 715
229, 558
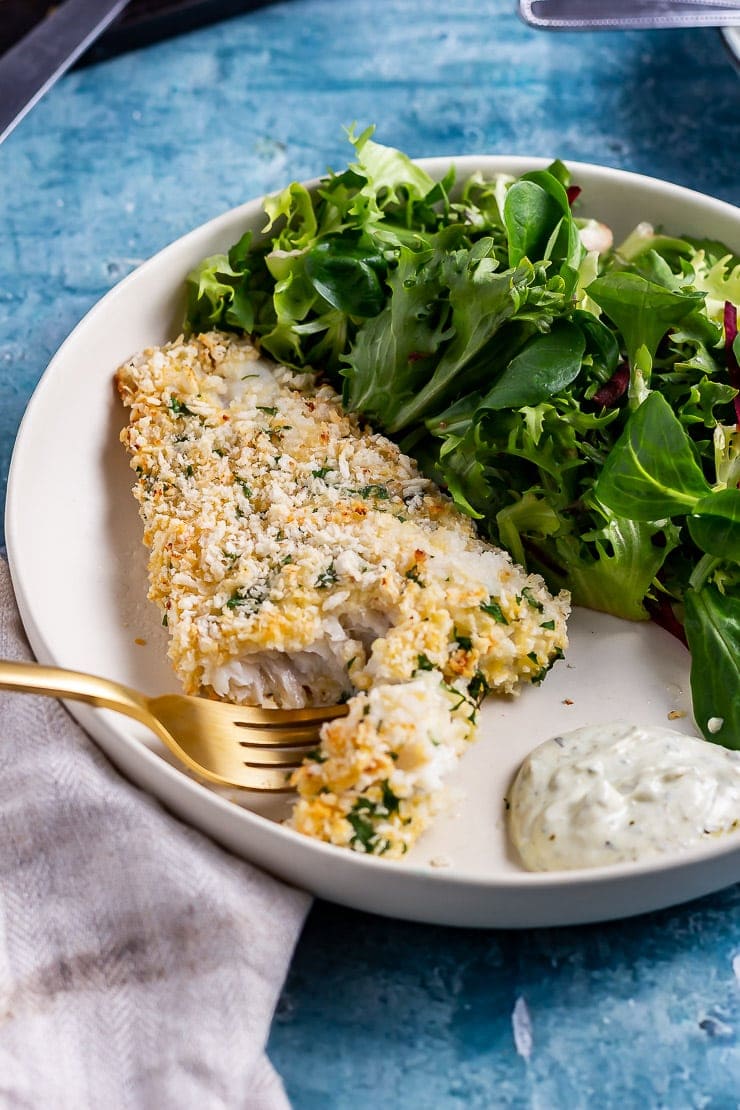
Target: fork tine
314, 716
274, 757
307, 738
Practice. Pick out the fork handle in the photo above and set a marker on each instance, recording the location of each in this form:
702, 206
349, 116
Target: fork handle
35, 678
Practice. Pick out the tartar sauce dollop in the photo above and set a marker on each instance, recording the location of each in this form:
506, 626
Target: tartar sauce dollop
610, 793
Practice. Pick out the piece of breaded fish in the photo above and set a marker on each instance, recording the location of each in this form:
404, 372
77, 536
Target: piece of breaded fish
298, 558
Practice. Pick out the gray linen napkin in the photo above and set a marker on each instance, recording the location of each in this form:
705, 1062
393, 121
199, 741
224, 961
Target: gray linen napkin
140, 963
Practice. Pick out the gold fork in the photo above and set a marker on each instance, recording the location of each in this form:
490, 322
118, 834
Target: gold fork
234, 745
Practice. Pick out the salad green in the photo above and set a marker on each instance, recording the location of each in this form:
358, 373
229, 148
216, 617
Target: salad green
580, 400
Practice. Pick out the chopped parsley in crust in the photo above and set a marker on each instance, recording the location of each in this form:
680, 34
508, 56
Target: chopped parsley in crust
299, 558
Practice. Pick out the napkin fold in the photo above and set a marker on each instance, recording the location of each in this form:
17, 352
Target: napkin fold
140, 963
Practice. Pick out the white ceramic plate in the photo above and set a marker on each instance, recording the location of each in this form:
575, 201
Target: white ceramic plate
78, 566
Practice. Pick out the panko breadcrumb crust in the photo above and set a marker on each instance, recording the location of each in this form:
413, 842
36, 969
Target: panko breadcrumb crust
278, 524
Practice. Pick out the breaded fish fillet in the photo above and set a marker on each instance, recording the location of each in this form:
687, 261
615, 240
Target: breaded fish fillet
298, 558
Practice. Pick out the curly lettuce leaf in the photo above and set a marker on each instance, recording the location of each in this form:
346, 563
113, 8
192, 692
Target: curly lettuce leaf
391, 177
443, 311
719, 280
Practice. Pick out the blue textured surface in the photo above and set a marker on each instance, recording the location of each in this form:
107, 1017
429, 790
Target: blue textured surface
121, 158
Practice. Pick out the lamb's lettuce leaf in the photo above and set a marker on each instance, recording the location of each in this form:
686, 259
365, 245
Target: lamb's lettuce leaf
652, 472
713, 631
